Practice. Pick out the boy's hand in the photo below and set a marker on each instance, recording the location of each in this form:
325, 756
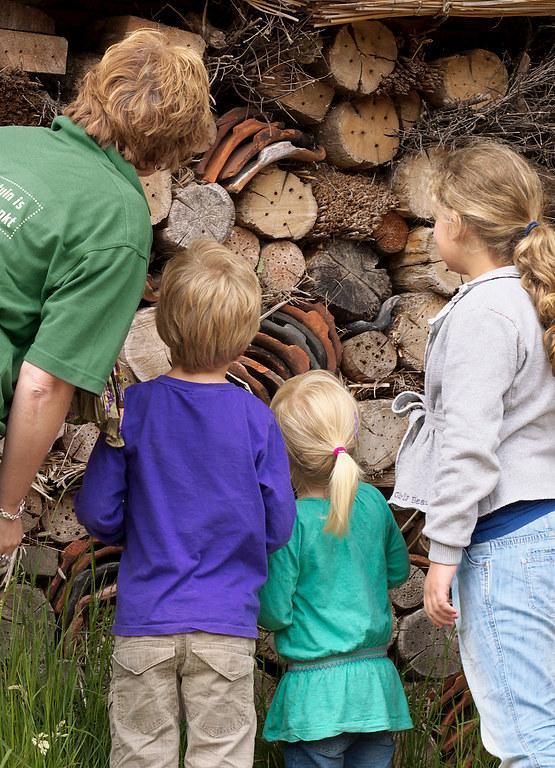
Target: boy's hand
436, 595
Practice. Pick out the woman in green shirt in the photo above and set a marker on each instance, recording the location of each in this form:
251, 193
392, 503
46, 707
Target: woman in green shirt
326, 596
75, 240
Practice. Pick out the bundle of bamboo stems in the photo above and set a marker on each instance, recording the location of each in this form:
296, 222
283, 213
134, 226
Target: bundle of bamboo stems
349, 11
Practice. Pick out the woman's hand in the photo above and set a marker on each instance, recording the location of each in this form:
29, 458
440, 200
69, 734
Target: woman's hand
11, 534
436, 595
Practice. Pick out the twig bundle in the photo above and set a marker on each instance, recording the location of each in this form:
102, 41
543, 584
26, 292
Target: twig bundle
262, 50
523, 118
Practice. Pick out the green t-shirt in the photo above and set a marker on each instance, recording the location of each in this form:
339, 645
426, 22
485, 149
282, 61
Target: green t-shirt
327, 596
75, 239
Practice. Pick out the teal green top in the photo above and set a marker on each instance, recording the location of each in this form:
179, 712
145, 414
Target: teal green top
326, 596
75, 239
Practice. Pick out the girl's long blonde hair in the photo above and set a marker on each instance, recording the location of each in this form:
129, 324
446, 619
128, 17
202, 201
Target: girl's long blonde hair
497, 193
317, 416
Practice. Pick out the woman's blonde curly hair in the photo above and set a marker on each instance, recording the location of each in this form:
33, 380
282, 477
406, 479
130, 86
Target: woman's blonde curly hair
148, 98
498, 193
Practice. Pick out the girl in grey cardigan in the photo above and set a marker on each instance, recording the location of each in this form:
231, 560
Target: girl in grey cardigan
479, 455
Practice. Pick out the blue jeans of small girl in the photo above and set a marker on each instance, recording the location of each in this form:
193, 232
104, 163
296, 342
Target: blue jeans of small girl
505, 594
348, 750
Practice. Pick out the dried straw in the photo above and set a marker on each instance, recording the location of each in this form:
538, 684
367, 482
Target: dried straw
348, 11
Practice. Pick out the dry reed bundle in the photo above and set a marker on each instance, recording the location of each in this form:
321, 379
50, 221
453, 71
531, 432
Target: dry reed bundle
283, 8
325, 14
524, 118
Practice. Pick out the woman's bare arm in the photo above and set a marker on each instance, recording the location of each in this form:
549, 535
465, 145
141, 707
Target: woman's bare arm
39, 407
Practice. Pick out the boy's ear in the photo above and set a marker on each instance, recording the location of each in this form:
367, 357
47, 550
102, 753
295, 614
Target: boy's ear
152, 288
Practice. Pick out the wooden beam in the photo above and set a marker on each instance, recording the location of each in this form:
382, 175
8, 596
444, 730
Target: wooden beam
23, 18
116, 28
33, 52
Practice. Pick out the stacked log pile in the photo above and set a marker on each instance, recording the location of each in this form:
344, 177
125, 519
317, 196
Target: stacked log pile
316, 175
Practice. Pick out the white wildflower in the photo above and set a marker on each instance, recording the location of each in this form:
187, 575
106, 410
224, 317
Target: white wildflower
40, 741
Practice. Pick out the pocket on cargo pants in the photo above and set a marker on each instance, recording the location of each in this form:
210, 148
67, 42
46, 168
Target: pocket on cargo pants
222, 687
143, 682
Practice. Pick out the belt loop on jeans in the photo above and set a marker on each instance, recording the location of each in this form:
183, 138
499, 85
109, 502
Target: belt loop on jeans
377, 652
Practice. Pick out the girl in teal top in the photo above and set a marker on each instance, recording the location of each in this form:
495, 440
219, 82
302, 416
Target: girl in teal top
326, 597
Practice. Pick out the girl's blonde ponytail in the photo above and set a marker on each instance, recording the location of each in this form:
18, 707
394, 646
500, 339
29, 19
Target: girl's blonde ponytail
318, 418
535, 258
343, 484
498, 194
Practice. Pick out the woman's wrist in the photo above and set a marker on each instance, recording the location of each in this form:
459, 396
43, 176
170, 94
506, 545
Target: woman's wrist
12, 512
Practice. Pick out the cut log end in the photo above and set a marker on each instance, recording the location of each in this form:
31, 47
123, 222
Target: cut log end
245, 244
361, 133
412, 182
409, 595
368, 357
282, 266
392, 233
158, 192
419, 267
344, 275
409, 329
381, 432
361, 55
277, 204
479, 76
428, 650
199, 211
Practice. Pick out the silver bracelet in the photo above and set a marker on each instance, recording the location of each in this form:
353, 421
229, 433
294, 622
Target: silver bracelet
17, 516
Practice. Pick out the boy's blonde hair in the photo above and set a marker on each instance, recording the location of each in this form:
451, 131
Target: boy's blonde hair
209, 306
498, 193
317, 416
148, 98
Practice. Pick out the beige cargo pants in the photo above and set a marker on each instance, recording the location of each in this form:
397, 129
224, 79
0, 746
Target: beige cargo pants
205, 678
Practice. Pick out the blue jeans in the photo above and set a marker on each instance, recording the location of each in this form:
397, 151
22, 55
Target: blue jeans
504, 591
348, 750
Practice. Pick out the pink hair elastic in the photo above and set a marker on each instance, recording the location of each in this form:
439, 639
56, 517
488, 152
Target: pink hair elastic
338, 450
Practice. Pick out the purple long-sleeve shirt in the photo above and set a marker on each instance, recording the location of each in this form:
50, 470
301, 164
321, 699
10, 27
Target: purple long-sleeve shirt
199, 495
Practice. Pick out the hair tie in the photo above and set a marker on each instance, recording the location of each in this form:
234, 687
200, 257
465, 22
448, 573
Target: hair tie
532, 225
338, 450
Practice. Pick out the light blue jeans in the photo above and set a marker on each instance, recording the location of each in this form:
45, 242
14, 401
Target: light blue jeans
504, 591
348, 750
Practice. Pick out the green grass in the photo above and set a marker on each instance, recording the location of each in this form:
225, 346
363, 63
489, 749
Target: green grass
53, 705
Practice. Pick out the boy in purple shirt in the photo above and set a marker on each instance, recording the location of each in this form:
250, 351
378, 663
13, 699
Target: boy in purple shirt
199, 495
